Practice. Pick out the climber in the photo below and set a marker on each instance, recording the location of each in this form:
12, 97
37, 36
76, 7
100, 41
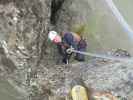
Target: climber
66, 41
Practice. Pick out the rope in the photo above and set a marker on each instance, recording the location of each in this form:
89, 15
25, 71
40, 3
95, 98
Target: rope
103, 56
120, 18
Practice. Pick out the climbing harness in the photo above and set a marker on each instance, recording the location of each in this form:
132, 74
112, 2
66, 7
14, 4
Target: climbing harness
70, 50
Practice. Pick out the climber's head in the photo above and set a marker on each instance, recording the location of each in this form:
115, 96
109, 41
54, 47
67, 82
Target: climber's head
54, 37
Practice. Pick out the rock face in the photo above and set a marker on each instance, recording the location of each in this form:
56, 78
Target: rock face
112, 77
28, 60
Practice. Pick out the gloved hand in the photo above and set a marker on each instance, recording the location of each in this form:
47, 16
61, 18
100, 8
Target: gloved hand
69, 50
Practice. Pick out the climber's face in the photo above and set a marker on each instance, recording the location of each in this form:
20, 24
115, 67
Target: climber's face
54, 37
57, 39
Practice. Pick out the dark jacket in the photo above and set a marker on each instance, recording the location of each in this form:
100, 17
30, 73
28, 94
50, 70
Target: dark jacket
68, 40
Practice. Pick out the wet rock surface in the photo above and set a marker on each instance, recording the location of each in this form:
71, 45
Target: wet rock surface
112, 77
53, 82
28, 61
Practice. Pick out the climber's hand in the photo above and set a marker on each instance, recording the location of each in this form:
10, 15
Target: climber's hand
70, 50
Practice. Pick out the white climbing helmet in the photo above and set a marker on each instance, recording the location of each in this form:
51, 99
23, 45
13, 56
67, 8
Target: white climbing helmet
54, 37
